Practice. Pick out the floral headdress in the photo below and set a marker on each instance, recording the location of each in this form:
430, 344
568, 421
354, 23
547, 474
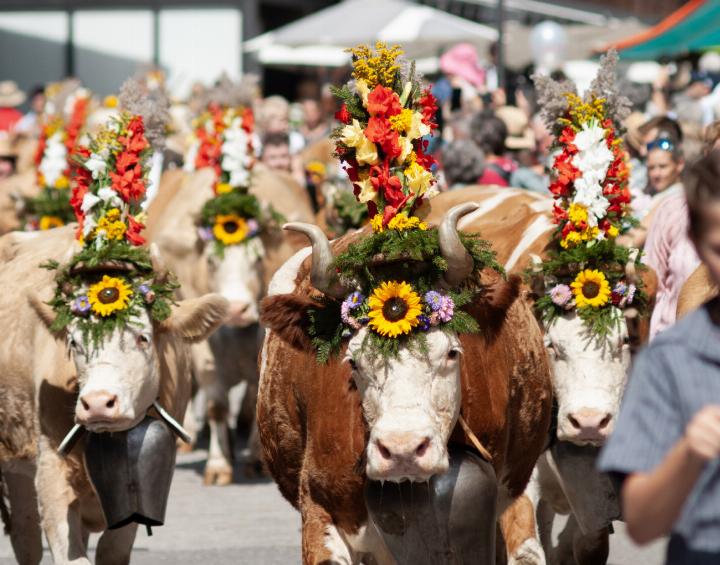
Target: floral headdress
223, 141
112, 278
396, 280
585, 271
55, 162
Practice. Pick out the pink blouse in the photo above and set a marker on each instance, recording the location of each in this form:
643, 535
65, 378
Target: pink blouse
670, 252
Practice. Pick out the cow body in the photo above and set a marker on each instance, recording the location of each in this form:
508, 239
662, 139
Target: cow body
41, 377
588, 379
230, 357
319, 431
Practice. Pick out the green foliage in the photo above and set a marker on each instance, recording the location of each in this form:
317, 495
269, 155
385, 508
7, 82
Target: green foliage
51, 202
351, 213
352, 101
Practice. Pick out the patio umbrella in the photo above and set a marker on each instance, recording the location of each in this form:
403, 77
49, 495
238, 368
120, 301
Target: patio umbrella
421, 30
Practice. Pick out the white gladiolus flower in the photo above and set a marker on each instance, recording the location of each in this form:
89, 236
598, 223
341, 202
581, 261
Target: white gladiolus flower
89, 202
96, 164
190, 156
109, 196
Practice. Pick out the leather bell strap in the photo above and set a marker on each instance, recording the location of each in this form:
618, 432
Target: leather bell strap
77, 431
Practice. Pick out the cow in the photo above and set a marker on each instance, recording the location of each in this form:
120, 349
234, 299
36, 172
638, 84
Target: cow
241, 276
14, 191
589, 377
50, 381
328, 429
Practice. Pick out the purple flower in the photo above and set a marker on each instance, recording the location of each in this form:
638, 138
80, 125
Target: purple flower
446, 310
205, 234
434, 300
620, 288
144, 289
80, 306
253, 227
352, 302
561, 295
631, 294
424, 324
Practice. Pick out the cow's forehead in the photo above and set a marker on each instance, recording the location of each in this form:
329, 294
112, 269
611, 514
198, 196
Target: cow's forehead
571, 330
438, 343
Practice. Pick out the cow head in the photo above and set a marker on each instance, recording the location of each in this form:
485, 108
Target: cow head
237, 275
120, 377
589, 374
410, 401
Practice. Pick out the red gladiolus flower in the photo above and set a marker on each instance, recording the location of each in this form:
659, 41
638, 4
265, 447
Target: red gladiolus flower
133, 232
423, 159
125, 161
129, 185
383, 102
379, 131
559, 214
429, 108
248, 120
389, 184
342, 115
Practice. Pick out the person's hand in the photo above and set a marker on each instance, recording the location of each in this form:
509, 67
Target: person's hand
702, 434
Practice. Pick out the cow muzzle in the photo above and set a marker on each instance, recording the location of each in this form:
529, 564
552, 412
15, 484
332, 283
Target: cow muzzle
586, 426
396, 455
242, 314
100, 411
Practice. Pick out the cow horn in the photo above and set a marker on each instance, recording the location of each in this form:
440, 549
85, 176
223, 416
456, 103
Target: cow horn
158, 264
460, 262
321, 274
630, 270
538, 278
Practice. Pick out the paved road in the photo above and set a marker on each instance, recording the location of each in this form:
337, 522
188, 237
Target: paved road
249, 522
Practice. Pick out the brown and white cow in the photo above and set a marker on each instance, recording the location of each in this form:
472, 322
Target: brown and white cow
49, 382
588, 377
328, 428
241, 276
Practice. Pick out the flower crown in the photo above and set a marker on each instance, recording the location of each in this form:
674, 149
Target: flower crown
111, 278
586, 268
56, 165
223, 141
395, 275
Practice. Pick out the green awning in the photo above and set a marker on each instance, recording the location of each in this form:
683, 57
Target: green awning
694, 27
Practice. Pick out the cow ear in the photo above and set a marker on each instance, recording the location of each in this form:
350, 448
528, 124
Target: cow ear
492, 304
287, 314
44, 311
196, 318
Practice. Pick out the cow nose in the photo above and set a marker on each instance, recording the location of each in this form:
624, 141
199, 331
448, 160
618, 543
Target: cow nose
239, 313
591, 423
403, 447
98, 405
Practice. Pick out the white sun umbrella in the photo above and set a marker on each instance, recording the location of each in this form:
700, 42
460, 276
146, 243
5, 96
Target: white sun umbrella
421, 30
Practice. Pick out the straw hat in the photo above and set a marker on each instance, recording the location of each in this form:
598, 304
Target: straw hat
520, 136
633, 136
10, 94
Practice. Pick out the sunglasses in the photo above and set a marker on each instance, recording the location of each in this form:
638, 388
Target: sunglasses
664, 144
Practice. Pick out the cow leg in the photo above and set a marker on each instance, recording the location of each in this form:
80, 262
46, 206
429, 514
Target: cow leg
115, 546
577, 548
24, 524
519, 527
60, 510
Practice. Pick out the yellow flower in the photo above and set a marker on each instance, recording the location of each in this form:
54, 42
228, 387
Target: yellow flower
591, 288
417, 127
363, 90
407, 153
402, 121
112, 226
113, 215
366, 153
418, 178
394, 309
401, 222
578, 214
109, 295
223, 188
613, 232
352, 135
110, 101
367, 190
50, 222
376, 68
571, 239
316, 167
230, 229
590, 233
377, 223
62, 182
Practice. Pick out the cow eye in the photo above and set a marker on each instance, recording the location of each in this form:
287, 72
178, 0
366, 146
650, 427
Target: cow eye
453, 354
143, 340
353, 364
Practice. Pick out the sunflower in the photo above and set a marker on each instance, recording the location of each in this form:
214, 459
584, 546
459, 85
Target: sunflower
394, 309
230, 229
109, 295
223, 188
50, 222
591, 288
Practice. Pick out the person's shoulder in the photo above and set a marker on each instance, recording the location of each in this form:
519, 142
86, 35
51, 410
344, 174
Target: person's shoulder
684, 333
